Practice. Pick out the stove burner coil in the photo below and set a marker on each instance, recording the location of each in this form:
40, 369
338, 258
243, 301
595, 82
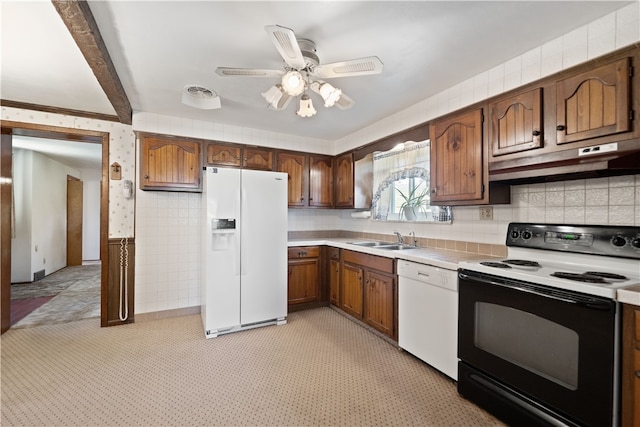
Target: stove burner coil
579, 277
495, 264
604, 275
522, 262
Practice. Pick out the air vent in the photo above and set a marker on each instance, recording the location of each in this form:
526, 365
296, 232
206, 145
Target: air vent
198, 96
199, 91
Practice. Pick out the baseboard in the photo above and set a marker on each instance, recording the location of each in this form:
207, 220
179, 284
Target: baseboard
177, 312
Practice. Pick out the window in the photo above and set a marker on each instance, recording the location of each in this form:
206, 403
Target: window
401, 185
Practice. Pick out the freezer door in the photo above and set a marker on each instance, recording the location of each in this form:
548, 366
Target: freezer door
220, 270
264, 246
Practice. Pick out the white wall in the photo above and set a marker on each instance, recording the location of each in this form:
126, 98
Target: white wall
90, 214
41, 211
21, 243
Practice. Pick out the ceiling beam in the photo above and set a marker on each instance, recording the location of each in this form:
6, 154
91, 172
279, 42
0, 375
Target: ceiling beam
80, 22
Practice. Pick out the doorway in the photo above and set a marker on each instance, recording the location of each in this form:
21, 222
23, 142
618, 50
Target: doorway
9, 129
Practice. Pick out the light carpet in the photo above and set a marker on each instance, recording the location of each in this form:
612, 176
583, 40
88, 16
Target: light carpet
319, 369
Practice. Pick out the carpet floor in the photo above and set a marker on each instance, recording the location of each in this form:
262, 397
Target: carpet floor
319, 369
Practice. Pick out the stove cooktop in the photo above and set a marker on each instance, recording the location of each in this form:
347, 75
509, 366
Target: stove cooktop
595, 260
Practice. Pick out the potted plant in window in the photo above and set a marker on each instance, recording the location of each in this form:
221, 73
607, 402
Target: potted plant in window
414, 202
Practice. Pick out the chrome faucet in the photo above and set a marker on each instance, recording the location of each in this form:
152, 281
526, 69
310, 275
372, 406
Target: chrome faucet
415, 241
400, 241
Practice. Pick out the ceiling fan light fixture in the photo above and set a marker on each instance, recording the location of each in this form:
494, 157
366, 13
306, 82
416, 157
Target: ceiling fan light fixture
306, 107
293, 83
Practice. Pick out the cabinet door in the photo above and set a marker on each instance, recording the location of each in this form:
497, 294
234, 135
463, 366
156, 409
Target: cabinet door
320, 181
630, 396
594, 103
169, 164
257, 158
334, 282
294, 165
351, 285
379, 293
223, 155
303, 280
516, 123
344, 181
456, 158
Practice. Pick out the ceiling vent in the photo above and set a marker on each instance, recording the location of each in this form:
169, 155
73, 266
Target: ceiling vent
200, 97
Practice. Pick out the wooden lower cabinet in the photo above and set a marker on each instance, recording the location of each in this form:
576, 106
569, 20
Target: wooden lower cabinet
379, 291
630, 400
368, 290
352, 292
303, 281
334, 276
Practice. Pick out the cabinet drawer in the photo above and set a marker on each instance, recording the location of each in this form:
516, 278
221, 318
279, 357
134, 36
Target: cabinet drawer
304, 252
373, 262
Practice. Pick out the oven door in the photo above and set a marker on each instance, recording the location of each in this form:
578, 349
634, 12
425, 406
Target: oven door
554, 347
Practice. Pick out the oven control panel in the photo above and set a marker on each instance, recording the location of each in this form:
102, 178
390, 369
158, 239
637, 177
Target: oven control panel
618, 241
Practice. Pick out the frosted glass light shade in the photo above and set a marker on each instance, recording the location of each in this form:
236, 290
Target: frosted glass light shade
293, 83
330, 94
306, 107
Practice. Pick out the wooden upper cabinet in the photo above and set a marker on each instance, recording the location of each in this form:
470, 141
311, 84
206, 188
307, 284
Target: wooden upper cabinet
320, 181
169, 164
456, 158
594, 103
223, 155
343, 182
257, 158
295, 165
516, 123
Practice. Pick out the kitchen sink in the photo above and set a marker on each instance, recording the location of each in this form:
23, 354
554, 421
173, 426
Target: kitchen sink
369, 244
396, 247
382, 245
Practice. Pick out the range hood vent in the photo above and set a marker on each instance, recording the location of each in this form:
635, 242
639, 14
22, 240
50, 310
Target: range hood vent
570, 164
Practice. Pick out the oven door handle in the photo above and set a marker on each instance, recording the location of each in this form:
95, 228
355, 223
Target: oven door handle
586, 301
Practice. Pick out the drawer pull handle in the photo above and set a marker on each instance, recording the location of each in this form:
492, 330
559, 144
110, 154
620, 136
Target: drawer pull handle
637, 374
560, 127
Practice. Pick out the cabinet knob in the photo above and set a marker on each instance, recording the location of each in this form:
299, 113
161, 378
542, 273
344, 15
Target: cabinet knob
637, 374
536, 133
311, 199
561, 127
433, 191
146, 177
301, 199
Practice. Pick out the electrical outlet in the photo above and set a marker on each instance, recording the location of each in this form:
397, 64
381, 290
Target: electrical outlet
486, 213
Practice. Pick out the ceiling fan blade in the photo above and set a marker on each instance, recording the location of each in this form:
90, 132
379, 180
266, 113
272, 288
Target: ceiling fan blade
287, 45
353, 67
247, 72
344, 102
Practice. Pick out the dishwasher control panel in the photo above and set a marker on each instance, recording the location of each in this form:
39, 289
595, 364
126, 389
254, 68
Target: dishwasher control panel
430, 274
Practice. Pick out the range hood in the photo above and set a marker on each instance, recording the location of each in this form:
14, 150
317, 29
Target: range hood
618, 158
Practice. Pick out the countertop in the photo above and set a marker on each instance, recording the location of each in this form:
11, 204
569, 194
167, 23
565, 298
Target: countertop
441, 258
630, 295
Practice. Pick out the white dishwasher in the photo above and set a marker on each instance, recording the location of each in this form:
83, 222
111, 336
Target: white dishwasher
428, 314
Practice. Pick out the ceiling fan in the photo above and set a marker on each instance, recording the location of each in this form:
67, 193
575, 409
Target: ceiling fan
302, 71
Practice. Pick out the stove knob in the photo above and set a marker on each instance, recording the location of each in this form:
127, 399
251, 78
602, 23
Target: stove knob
636, 243
515, 234
526, 234
618, 241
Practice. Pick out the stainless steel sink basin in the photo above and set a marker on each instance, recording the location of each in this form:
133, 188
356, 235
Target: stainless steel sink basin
396, 247
368, 243
382, 245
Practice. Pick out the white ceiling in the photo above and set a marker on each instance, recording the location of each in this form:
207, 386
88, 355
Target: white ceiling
75, 154
160, 46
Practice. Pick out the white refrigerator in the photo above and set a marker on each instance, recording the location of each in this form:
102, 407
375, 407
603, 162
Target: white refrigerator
244, 250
